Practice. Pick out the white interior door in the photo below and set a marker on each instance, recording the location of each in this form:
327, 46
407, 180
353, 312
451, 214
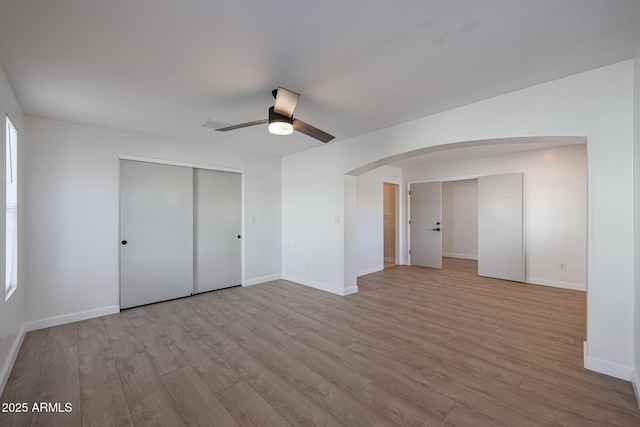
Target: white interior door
156, 232
218, 217
425, 226
501, 227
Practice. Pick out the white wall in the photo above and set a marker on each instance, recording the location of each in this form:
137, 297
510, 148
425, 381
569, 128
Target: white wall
369, 208
597, 104
312, 224
72, 213
555, 207
13, 312
460, 219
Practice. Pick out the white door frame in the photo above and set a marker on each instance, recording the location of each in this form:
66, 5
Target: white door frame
193, 166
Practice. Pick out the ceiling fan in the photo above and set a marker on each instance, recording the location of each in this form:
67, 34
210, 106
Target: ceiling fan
281, 121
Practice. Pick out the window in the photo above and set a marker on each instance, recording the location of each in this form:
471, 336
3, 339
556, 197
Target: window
11, 150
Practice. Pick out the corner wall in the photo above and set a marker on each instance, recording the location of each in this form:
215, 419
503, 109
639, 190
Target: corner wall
72, 213
370, 215
13, 313
597, 104
313, 215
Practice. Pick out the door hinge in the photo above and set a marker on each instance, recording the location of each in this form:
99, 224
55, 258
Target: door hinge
409, 222
409, 251
409, 192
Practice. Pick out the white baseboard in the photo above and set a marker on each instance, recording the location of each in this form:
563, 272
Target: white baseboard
605, 367
635, 382
13, 354
349, 291
263, 279
370, 270
461, 256
321, 286
555, 284
73, 317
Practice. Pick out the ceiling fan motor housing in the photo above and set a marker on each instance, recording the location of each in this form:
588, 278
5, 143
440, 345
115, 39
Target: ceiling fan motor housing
275, 117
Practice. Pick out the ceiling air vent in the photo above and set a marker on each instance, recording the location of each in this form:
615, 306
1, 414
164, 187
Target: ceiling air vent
212, 124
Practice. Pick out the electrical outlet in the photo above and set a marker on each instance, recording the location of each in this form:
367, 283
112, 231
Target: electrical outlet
562, 266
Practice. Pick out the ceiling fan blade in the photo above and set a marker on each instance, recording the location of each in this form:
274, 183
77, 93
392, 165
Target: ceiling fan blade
243, 125
286, 102
311, 131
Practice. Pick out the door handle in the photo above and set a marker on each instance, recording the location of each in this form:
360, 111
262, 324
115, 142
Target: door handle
436, 229
124, 242
239, 236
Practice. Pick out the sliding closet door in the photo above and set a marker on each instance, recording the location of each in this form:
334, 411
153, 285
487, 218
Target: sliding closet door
501, 227
218, 219
156, 232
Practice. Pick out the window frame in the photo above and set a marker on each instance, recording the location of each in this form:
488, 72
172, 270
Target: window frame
11, 208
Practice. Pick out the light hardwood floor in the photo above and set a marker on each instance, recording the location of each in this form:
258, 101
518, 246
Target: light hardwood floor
415, 346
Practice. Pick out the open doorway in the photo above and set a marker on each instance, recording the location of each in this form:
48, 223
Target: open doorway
554, 201
460, 219
501, 227
460, 225
483, 219
390, 223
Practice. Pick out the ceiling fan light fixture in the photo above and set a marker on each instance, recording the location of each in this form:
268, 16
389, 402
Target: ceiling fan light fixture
281, 121
280, 124
280, 128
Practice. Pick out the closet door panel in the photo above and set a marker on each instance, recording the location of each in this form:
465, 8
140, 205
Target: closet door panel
501, 227
156, 232
218, 225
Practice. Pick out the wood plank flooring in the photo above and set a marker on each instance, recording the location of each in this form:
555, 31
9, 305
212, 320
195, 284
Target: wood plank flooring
415, 346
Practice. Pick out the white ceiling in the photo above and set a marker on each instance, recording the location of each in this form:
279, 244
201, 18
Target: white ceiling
163, 67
